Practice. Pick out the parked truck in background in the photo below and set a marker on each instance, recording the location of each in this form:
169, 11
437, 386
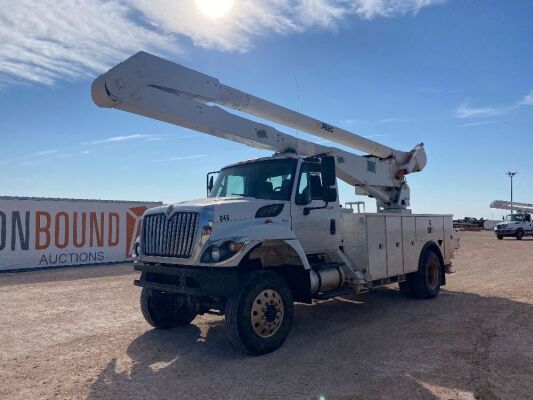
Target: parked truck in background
515, 225
272, 231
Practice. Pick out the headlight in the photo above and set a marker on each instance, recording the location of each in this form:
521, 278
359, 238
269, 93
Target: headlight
221, 252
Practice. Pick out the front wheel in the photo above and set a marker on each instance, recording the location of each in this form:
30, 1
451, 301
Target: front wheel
259, 317
500, 237
519, 234
165, 310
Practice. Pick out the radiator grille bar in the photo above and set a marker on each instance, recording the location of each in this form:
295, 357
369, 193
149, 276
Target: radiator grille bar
172, 237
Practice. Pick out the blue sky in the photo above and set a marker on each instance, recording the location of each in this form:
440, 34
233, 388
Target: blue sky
456, 75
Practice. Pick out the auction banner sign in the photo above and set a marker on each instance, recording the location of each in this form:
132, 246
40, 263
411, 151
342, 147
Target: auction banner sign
40, 232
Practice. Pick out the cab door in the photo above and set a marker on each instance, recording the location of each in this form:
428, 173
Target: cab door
315, 222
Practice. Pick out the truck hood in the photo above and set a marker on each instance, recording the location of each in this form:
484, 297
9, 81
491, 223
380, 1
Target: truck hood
224, 209
509, 224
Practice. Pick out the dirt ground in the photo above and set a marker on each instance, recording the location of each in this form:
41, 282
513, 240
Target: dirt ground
78, 334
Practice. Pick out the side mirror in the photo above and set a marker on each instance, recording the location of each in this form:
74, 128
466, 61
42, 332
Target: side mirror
329, 194
328, 171
209, 181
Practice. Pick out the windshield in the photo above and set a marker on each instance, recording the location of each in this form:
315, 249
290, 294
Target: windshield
515, 217
268, 179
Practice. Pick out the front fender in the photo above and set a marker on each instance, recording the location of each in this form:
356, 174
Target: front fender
256, 234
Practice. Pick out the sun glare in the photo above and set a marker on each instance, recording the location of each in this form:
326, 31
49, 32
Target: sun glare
214, 8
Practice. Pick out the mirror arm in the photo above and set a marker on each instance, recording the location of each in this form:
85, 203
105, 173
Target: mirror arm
307, 210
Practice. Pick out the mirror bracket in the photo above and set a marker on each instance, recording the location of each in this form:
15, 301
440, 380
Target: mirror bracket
209, 181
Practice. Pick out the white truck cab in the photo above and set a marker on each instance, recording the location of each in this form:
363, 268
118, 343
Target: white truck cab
514, 225
272, 231
281, 215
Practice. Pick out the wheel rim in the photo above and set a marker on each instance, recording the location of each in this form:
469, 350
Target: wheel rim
432, 275
267, 313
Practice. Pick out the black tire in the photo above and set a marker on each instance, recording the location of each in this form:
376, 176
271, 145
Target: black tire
426, 282
165, 310
265, 332
519, 234
406, 288
500, 237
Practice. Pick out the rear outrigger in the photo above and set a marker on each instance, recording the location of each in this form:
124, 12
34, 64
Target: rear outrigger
272, 231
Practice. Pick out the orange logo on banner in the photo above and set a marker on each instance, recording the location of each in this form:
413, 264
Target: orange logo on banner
133, 227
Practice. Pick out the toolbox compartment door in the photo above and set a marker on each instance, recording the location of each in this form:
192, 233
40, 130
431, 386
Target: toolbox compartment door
429, 228
410, 247
394, 246
377, 247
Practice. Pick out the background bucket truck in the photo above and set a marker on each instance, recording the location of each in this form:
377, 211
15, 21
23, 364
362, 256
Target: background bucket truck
515, 225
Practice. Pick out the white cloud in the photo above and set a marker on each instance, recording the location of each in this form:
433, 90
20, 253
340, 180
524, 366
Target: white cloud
191, 136
388, 8
391, 120
180, 158
249, 19
82, 148
350, 121
477, 123
118, 139
44, 152
466, 111
31, 158
47, 41
528, 99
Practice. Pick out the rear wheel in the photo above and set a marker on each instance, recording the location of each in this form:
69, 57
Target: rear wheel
426, 282
406, 288
165, 310
519, 234
500, 237
259, 317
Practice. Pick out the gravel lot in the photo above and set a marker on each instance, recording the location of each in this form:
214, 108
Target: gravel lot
78, 333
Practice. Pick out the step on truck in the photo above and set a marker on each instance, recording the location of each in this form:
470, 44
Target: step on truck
517, 224
272, 231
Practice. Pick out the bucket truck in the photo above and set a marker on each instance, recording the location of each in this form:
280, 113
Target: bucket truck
272, 230
514, 225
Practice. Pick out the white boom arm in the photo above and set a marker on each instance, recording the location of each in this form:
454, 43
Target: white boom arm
148, 85
507, 205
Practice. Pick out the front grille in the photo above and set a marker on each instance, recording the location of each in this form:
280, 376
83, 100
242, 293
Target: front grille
172, 237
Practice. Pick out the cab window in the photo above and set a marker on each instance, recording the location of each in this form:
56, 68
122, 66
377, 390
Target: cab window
268, 179
309, 184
